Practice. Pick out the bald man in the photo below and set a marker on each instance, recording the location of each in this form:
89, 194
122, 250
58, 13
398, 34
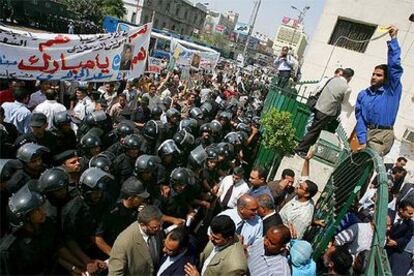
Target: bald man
265, 256
249, 225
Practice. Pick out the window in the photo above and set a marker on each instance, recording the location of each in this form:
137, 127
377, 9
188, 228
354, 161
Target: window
185, 14
167, 8
177, 12
352, 30
133, 17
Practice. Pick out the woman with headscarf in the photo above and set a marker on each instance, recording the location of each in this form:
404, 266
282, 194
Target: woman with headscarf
301, 258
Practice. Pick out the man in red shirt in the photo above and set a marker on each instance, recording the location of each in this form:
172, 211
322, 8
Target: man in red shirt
7, 95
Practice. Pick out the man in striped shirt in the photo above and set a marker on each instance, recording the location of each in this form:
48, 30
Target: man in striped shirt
264, 256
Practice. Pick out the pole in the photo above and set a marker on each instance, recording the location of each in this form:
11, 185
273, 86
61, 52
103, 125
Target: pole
256, 11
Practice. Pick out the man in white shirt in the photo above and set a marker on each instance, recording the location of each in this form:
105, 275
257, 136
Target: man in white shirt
39, 96
285, 65
17, 112
109, 94
132, 95
50, 107
231, 188
248, 224
84, 104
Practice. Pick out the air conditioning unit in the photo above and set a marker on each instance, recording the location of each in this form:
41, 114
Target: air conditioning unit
409, 135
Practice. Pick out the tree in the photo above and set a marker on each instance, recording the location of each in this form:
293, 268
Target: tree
95, 10
114, 8
279, 134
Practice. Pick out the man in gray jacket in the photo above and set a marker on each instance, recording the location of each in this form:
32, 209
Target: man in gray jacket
327, 108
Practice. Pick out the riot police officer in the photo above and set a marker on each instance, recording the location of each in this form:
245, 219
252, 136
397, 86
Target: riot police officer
173, 119
170, 155
8, 167
134, 145
82, 214
123, 129
31, 155
70, 162
209, 175
124, 212
91, 145
32, 247
154, 133
151, 173
54, 183
66, 137
205, 138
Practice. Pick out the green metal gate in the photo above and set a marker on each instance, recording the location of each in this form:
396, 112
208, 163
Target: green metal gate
346, 185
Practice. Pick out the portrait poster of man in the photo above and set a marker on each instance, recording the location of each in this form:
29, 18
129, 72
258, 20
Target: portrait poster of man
195, 62
126, 57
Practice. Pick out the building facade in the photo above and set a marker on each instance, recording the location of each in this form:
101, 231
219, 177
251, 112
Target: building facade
294, 37
223, 23
179, 16
361, 21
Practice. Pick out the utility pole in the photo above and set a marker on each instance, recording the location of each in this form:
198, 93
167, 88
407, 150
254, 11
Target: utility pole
253, 22
301, 16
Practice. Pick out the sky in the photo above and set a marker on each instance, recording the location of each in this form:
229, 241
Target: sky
270, 13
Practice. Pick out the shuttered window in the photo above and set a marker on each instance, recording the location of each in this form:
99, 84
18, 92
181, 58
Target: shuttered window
351, 30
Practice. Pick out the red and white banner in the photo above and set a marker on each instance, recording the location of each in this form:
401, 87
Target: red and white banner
97, 57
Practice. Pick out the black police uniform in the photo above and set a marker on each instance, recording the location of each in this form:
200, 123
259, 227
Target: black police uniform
115, 221
123, 167
211, 176
116, 148
49, 140
25, 253
80, 220
65, 140
7, 138
178, 204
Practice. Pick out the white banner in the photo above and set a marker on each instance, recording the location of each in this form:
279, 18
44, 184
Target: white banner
98, 57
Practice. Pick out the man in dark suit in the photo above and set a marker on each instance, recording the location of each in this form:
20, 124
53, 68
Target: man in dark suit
137, 249
267, 212
399, 236
177, 253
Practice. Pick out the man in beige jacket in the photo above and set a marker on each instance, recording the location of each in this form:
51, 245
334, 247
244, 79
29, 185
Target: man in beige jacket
224, 254
137, 249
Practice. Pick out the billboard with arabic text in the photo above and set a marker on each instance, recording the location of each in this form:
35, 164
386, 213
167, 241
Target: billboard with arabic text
98, 57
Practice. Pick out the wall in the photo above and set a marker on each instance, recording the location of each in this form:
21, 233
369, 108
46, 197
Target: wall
377, 12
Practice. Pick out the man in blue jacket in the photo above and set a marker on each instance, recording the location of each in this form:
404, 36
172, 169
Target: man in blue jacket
377, 106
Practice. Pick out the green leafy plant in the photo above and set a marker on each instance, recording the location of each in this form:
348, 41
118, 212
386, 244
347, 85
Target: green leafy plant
279, 134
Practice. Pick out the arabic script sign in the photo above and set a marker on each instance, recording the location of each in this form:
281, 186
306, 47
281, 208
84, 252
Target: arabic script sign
98, 57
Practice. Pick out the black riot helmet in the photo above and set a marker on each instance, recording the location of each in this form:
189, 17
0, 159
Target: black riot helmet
173, 114
146, 163
94, 179
206, 108
156, 112
232, 138
125, 128
101, 161
226, 150
61, 118
243, 127
183, 139
52, 179
205, 128
243, 136
134, 141
8, 167
29, 151
181, 177
190, 125
196, 113
212, 152
90, 141
216, 128
168, 147
95, 118
197, 157
22, 203
152, 129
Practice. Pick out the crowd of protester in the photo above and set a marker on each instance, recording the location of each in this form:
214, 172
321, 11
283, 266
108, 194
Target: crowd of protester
156, 176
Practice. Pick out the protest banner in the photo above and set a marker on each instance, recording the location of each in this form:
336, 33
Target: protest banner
155, 65
195, 59
97, 57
